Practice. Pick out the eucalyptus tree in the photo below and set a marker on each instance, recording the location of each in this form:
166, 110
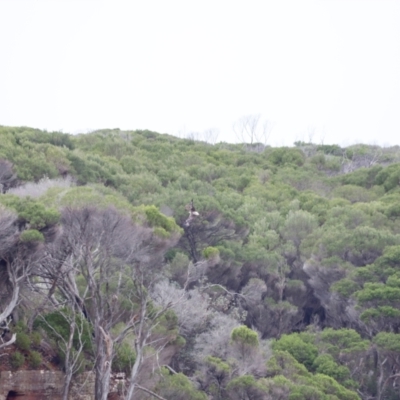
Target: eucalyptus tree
387, 346
111, 263
10, 286
21, 252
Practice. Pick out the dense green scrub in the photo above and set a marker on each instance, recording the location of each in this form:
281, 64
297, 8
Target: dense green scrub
299, 244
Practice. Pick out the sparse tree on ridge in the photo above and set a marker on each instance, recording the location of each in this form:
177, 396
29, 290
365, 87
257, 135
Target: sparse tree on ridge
251, 129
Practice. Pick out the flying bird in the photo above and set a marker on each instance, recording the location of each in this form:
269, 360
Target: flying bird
192, 213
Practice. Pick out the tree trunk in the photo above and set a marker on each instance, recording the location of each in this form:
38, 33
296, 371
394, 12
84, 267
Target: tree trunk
103, 363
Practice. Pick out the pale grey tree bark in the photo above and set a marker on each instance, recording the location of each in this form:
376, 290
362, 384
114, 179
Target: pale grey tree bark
251, 129
19, 261
117, 262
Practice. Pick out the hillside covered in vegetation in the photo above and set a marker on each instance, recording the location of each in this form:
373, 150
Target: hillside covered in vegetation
285, 286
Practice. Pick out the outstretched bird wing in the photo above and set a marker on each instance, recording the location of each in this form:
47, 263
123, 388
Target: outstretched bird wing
192, 213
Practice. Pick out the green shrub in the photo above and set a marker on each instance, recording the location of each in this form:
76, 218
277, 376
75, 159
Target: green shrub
210, 252
332, 149
244, 336
285, 155
170, 254
179, 341
161, 233
17, 360
37, 214
156, 219
177, 386
31, 235
55, 324
177, 268
124, 358
245, 387
304, 353
35, 359
23, 341
20, 327
36, 338
325, 364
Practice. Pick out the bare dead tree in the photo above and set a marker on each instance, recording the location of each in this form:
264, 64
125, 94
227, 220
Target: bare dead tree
117, 263
143, 329
246, 128
59, 292
193, 136
251, 129
72, 360
37, 189
311, 131
266, 131
360, 157
94, 237
18, 260
211, 135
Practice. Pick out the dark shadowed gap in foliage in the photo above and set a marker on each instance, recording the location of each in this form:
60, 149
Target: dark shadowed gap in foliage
310, 314
313, 312
12, 394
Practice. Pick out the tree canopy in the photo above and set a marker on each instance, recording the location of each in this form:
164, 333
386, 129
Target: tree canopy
287, 284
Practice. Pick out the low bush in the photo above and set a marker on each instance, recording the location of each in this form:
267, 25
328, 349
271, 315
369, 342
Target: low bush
36, 338
23, 341
35, 359
124, 358
17, 360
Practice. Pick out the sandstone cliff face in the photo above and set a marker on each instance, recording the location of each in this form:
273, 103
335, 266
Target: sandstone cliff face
48, 385
43, 385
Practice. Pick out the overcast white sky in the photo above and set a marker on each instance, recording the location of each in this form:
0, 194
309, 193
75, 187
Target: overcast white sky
178, 66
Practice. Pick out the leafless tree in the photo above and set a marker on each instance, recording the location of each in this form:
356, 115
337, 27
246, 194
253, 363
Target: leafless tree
117, 263
37, 189
191, 307
18, 260
251, 129
72, 360
388, 371
311, 131
211, 135
215, 341
360, 157
193, 135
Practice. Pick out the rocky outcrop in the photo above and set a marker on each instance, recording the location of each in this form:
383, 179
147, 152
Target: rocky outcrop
43, 385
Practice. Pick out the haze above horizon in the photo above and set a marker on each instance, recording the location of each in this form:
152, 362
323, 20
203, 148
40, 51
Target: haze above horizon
324, 69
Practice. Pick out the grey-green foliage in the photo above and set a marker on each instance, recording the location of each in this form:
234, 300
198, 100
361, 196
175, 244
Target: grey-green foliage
177, 387
290, 236
302, 351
